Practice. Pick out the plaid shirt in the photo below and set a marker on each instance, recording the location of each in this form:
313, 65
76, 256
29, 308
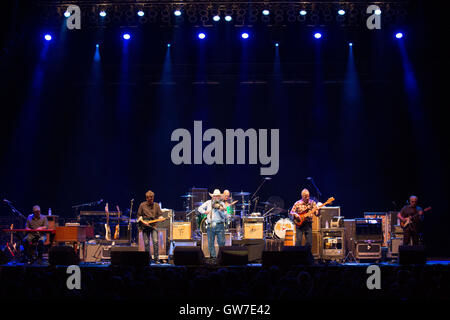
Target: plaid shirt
300, 207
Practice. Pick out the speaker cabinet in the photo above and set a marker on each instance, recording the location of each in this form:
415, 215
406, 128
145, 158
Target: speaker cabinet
233, 256
188, 255
326, 214
129, 256
412, 255
62, 255
228, 242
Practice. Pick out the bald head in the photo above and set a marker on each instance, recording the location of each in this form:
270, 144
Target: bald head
413, 201
305, 195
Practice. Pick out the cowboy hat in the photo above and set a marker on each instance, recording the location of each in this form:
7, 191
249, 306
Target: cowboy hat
215, 193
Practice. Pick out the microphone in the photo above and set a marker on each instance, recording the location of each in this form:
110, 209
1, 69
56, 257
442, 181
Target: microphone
7, 201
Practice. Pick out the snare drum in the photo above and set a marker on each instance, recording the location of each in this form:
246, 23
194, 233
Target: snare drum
281, 226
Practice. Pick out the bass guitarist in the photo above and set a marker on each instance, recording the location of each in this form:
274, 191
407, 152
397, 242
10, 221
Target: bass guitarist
148, 211
409, 218
305, 204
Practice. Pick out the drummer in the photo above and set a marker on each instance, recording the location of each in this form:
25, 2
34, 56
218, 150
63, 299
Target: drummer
228, 200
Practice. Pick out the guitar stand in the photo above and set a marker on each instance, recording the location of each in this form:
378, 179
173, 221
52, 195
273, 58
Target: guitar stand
350, 257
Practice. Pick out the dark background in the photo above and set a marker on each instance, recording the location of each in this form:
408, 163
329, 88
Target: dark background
74, 131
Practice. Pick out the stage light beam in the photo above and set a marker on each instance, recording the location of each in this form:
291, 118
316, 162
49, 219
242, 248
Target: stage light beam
245, 35
216, 18
201, 35
140, 13
266, 12
48, 37
399, 35
341, 12
126, 36
228, 18
317, 35
177, 13
102, 13
303, 12
67, 14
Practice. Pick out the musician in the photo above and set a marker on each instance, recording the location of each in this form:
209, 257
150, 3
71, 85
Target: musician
303, 205
216, 215
228, 200
149, 210
35, 239
413, 212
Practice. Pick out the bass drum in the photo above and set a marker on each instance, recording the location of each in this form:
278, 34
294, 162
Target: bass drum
281, 226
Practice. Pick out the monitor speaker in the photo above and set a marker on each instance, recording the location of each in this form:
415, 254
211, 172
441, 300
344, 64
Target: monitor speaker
62, 255
297, 255
129, 256
232, 256
412, 255
188, 255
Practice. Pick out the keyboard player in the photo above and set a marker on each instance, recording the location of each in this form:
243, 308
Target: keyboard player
33, 240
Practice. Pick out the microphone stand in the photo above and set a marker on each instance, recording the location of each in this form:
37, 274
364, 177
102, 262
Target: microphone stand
16, 211
89, 204
254, 198
319, 194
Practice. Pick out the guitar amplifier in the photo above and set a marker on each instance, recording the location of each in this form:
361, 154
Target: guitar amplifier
368, 250
369, 229
181, 230
254, 230
327, 214
394, 244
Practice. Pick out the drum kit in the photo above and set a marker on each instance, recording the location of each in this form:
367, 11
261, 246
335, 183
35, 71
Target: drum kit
276, 220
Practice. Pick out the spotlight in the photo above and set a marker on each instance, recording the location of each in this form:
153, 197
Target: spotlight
140, 13
266, 12
378, 12
67, 14
228, 18
97, 45
168, 45
350, 44
201, 35
276, 44
244, 35
48, 37
399, 35
341, 12
317, 35
126, 36
303, 12
102, 13
216, 18
177, 13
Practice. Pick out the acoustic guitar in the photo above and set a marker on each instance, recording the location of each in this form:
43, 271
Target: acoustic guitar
107, 228
412, 219
300, 218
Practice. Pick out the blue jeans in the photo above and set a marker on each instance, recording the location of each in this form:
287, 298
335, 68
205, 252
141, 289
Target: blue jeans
219, 231
146, 233
305, 229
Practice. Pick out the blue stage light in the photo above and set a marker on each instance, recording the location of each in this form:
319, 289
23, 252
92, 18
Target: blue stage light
48, 37
177, 13
399, 35
216, 18
378, 12
341, 12
201, 35
97, 45
126, 36
228, 18
276, 44
350, 44
140, 13
168, 45
317, 35
302, 12
102, 13
67, 14
266, 12
244, 35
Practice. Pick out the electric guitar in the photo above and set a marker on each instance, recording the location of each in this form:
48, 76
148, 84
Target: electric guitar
146, 223
129, 221
107, 228
300, 218
412, 219
117, 231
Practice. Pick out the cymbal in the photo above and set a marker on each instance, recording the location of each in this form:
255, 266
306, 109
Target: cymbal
198, 203
266, 203
242, 193
187, 196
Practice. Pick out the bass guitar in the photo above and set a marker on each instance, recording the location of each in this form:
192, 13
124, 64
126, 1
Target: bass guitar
107, 228
300, 218
117, 231
412, 219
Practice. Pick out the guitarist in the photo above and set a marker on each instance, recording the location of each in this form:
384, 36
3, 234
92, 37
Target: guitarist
149, 210
305, 204
414, 214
